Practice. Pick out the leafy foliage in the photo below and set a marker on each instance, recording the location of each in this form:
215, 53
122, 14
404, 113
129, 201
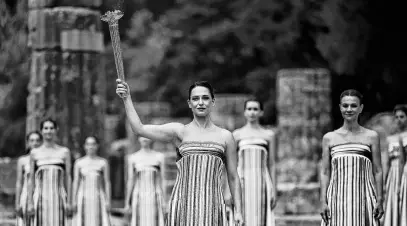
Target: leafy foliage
238, 45
14, 69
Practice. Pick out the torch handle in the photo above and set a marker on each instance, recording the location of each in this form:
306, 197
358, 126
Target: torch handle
114, 34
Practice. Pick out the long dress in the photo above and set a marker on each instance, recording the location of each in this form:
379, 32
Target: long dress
25, 220
49, 193
403, 189
391, 214
147, 198
351, 195
197, 197
91, 198
257, 187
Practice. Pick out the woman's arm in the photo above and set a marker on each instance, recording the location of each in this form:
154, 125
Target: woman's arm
377, 166
108, 184
68, 175
387, 161
31, 181
76, 180
273, 148
325, 176
19, 182
166, 132
129, 183
231, 164
402, 160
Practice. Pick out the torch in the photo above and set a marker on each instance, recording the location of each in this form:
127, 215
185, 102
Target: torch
112, 19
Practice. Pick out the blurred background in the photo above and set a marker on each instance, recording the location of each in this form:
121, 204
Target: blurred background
296, 56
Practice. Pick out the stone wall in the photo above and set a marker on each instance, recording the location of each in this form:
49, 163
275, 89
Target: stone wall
304, 115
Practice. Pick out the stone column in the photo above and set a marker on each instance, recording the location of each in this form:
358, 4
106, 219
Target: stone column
304, 115
67, 82
228, 111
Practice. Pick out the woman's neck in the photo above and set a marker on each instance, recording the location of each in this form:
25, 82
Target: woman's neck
145, 149
203, 122
48, 143
351, 126
91, 156
253, 124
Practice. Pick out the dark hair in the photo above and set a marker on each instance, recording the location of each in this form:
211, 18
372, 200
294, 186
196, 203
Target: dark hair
400, 107
352, 93
31, 133
92, 136
203, 84
27, 150
254, 100
48, 120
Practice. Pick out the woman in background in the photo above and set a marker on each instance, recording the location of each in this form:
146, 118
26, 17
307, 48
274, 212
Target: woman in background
50, 180
145, 186
350, 156
91, 187
395, 165
33, 140
256, 167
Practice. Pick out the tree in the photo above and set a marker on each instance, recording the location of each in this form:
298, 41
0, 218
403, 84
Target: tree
14, 63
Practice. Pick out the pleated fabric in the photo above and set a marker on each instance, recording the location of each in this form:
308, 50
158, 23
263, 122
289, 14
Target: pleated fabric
197, 198
257, 187
49, 194
351, 194
25, 220
391, 206
91, 198
147, 198
403, 189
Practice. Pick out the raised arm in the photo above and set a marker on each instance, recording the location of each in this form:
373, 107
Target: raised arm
325, 177
166, 132
129, 183
19, 184
234, 183
273, 148
377, 172
107, 184
76, 179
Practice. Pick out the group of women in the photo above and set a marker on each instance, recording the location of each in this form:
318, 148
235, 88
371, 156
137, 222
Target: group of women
45, 194
45, 198
351, 174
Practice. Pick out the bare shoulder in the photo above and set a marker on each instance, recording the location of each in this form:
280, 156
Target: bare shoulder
160, 156
328, 137
226, 134
177, 127
21, 160
270, 132
103, 162
78, 162
63, 150
237, 132
131, 157
370, 134
34, 151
